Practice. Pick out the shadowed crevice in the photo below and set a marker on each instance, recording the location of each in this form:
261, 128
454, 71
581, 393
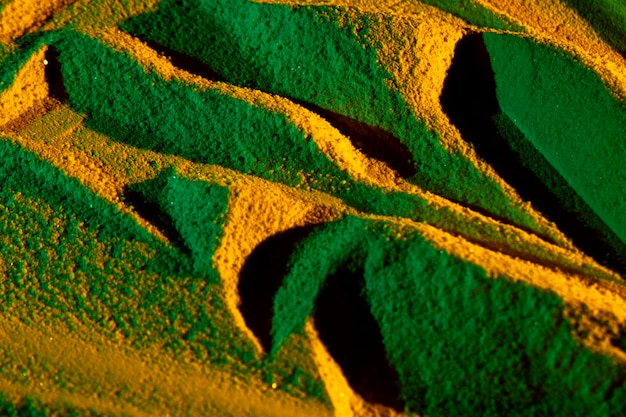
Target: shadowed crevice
185, 62
352, 336
53, 75
372, 141
134, 196
260, 278
469, 99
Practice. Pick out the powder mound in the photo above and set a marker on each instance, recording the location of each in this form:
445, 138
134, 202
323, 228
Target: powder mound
302, 207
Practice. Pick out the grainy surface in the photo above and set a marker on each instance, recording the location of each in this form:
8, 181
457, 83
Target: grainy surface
349, 208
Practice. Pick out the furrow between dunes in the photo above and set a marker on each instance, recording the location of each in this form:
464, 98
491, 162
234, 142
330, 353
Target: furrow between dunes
346, 402
335, 145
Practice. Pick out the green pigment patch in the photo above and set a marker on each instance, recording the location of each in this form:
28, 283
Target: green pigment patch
138, 108
475, 14
195, 210
62, 268
589, 232
574, 121
302, 54
461, 343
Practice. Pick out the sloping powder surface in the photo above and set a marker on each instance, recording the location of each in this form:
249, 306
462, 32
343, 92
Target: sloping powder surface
241, 208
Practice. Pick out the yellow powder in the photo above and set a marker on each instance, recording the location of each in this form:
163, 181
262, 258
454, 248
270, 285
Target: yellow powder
329, 140
552, 22
345, 401
82, 368
255, 214
19, 17
28, 90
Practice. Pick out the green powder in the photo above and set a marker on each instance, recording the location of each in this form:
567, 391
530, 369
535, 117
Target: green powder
475, 14
574, 121
589, 232
195, 210
460, 342
302, 54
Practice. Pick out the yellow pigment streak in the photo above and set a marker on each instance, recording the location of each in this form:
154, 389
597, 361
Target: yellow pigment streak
255, 214
337, 146
554, 23
598, 295
23, 16
29, 89
417, 47
112, 378
345, 401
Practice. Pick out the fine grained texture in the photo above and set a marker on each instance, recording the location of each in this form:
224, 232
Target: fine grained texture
294, 207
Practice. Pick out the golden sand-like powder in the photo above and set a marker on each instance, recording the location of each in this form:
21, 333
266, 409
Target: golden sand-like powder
552, 22
255, 214
336, 146
111, 378
28, 90
22, 16
346, 402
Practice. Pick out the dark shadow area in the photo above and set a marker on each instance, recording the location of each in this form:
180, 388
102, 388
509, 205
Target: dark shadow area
372, 141
619, 341
135, 196
350, 333
53, 75
185, 62
261, 277
469, 100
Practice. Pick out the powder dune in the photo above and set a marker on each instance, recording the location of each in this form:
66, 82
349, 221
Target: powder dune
155, 318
